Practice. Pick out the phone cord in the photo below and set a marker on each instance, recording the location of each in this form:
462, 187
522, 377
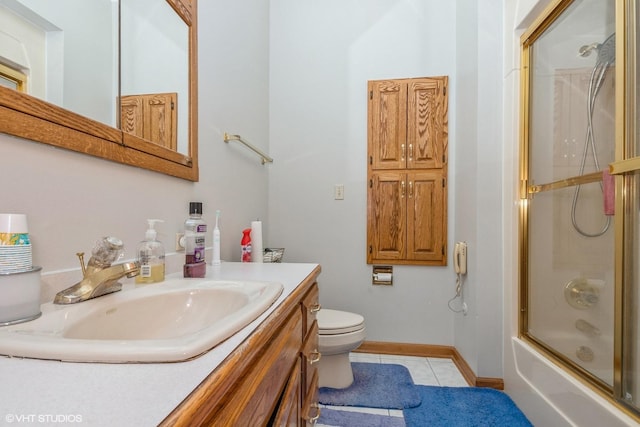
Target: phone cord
458, 294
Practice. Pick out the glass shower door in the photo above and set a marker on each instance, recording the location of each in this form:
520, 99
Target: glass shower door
570, 228
580, 193
629, 317
628, 170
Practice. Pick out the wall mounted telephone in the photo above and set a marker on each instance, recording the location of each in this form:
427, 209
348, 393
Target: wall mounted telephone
460, 258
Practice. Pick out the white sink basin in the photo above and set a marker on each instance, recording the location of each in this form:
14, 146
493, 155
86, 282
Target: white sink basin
167, 322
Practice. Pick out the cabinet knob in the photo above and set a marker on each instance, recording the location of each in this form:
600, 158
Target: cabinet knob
315, 308
314, 357
314, 409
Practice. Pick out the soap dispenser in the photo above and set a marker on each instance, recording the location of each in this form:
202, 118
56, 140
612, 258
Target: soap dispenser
151, 256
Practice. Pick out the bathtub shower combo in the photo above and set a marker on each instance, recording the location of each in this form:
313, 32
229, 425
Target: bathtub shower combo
578, 304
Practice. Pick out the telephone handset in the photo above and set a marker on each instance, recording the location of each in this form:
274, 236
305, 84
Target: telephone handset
460, 258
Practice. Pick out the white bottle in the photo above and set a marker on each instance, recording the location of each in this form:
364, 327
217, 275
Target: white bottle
151, 256
216, 241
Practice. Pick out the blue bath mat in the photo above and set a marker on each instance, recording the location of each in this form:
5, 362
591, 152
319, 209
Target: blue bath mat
464, 407
375, 385
331, 417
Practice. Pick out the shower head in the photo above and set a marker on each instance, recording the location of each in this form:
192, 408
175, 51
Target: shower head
606, 50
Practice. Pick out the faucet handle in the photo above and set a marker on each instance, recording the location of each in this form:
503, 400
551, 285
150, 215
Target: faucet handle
106, 251
80, 256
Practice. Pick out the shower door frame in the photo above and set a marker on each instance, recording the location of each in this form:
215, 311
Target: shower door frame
623, 168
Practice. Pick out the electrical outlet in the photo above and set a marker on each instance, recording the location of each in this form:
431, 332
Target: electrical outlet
338, 192
179, 242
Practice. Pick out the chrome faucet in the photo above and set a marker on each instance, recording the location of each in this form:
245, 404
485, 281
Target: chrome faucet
99, 276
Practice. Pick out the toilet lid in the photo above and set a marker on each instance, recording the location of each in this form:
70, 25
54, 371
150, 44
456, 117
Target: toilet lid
332, 322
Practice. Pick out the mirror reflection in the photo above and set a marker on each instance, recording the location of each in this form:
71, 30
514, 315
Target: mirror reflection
71, 59
154, 73
68, 58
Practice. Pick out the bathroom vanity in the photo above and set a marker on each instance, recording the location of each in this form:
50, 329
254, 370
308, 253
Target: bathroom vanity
263, 374
270, 378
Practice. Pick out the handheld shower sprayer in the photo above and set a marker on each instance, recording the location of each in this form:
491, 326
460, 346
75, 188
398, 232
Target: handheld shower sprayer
606, 57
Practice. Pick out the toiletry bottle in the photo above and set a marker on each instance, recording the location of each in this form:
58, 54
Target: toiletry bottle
216, 241
246, 245
151, 256
195, 230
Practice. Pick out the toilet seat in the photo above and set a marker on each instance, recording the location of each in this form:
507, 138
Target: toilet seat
335, 322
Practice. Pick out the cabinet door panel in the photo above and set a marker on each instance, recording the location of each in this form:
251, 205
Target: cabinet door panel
310, 357
426, 216
387, 216
387, 124
161, 119
289, 413
426, 123
311, 407
253, 402
152, 117
310, 308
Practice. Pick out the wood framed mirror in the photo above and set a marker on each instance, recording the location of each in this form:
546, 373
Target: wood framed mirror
39, 120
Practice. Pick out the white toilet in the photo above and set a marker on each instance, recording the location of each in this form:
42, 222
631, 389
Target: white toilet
339, 333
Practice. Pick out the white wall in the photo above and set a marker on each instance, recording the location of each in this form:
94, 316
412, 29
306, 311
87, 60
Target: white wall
478, 177
72, 199
322, 55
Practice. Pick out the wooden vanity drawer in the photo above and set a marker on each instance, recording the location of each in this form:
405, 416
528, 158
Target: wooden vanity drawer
310, 306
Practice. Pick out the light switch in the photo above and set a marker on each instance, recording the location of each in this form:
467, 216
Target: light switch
338, 192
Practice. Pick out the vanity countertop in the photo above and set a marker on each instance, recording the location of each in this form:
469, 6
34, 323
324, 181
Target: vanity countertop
46, 392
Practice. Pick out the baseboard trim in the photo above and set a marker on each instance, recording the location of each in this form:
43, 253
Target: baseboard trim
428, 350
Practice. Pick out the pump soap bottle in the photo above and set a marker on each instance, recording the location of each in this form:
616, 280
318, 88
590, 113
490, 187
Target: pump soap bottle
151, 256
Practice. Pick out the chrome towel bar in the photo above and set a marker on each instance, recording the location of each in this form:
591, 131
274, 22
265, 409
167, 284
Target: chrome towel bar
265, 158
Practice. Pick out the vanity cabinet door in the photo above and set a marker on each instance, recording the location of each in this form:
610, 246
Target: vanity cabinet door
289, 411
311, 407
310, 306
255, 397
310, 355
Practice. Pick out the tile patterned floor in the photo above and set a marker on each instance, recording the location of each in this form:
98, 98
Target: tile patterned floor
424, 371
